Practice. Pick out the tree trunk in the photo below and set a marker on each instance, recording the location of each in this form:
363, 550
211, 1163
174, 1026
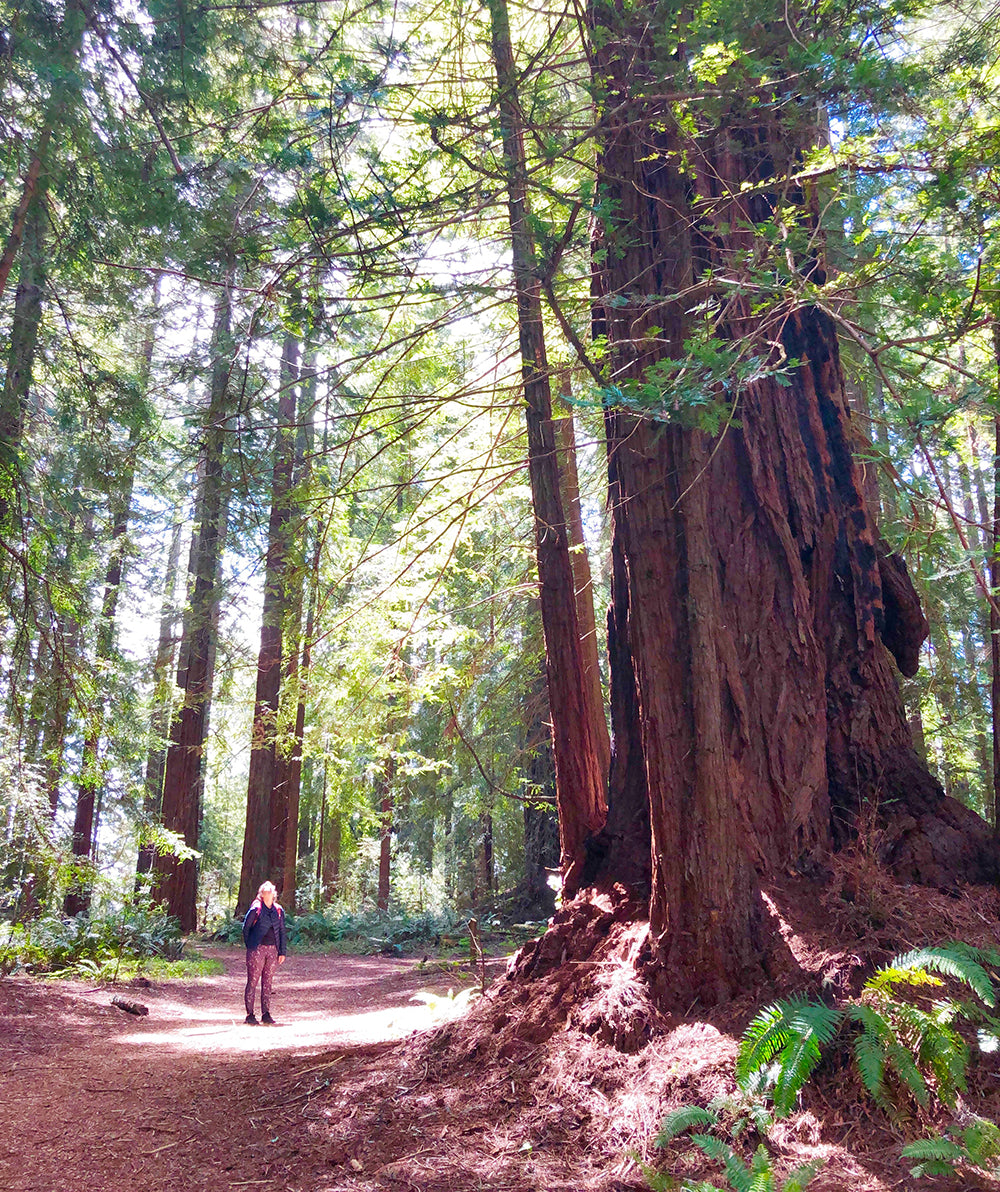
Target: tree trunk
569, 491
183, 780
384, 784
267, 810
541, 825
159, 718
580, 783
24, 333
289, 757
994, 542
90, 788
759, 600
26, 244
988, 525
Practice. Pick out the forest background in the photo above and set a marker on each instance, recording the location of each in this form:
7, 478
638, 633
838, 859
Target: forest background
269, 570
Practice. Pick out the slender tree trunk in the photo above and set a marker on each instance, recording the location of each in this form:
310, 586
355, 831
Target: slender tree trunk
541, 825
184, 771
267, 811
384, 793
26, 242
994, 542
974, 690
90, 789
569, 490
988, 524
160, 716
290, 753
24, 334
580, 783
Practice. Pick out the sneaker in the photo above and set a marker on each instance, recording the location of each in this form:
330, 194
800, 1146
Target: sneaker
250, 1020
266, 1018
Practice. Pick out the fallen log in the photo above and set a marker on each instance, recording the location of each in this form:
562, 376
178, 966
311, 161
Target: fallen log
136, 1008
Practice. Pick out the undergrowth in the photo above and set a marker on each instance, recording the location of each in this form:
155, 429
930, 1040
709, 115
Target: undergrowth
368, 932
89, 945
905, 1030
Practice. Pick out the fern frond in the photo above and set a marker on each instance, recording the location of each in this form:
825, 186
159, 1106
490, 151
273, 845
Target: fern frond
933, 1167
802, 1176
900, 1058
887, 978
679, 1120
762, 1040
793, 1031
982, 1143
737, 1172
947, 1054
762, 1171
934, 1148
870, 1050
656, 1181
956, 960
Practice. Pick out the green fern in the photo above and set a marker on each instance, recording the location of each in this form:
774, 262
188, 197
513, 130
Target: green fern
679, 1120
937, 1156
799, 1179
910, 1041
737, 1173
741, 1111
782, 1047
979, 1147
957, 960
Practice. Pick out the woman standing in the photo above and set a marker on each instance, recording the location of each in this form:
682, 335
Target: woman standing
264, 936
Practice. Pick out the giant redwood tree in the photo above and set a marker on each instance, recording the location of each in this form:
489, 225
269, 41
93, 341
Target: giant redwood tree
757, 618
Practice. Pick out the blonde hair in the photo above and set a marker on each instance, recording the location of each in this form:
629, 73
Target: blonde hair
265, 886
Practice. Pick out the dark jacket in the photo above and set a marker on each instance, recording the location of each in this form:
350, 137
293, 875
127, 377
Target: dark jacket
255, 927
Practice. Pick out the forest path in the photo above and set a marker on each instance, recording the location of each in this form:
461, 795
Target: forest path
188, 1097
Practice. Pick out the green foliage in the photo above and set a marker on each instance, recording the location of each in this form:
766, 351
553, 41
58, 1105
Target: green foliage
758, 1175
86, 945
684, 1118
781, 1048
975, 1145
900, 1044
361, 931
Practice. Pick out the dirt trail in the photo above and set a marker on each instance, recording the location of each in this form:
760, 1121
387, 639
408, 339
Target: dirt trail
188, 1097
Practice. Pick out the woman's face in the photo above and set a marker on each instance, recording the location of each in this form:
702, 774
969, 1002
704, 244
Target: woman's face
268, 897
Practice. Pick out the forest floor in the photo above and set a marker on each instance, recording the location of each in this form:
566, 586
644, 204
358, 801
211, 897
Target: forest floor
360, 1089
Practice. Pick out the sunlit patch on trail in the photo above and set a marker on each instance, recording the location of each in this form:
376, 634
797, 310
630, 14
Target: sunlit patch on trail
217, 1031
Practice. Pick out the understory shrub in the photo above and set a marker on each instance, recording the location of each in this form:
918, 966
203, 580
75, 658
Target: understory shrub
908, 1049
85, 944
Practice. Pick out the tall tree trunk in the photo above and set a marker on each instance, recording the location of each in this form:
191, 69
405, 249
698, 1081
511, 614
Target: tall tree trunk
994, 542
290, 753
760, 600
384, 792
569, 491
989, 524
580, 783
160, 716
25, 244
24, 334
267, 811
177, 877
541, 825
90, 788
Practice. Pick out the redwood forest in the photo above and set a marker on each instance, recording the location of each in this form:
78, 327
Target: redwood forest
522, 477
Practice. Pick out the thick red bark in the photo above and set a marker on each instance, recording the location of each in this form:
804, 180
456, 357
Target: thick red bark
758, 601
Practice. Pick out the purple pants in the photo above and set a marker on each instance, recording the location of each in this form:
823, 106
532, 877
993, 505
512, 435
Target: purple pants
261, 965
